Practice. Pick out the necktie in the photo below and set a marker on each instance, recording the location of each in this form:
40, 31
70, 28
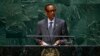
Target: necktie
50, 29
51, 33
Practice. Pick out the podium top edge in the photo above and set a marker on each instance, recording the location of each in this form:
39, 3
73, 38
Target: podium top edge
50, 46
48, 36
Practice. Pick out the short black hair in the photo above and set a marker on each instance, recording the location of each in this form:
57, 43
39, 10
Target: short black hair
49, 5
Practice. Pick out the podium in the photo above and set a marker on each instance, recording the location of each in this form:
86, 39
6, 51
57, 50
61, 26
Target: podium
33, 50
37, 50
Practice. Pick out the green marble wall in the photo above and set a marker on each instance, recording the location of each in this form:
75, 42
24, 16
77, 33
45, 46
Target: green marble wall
19, 17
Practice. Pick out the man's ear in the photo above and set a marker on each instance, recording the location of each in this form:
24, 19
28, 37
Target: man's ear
45, 13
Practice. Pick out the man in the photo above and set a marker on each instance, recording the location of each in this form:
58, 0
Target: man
51, 26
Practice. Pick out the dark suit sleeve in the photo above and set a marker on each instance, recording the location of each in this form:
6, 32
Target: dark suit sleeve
38, 32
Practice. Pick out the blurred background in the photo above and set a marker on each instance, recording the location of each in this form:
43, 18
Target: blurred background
18, 18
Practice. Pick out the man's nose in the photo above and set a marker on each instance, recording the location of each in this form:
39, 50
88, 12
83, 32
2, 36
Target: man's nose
52, 12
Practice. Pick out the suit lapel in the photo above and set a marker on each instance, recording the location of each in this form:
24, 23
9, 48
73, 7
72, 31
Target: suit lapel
46, 26
55, 25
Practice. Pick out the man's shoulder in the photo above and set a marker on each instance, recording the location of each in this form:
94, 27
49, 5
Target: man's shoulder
41, 21
60, 20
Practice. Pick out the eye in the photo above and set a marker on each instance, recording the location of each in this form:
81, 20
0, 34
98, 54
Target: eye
50, 10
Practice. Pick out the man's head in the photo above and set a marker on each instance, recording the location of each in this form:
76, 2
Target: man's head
50, 10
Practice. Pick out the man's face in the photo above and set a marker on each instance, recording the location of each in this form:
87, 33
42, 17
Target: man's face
50, 11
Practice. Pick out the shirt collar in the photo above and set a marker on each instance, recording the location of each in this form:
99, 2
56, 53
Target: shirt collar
52, 20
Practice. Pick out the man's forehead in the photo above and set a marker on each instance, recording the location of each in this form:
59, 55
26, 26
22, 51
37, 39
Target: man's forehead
50, 7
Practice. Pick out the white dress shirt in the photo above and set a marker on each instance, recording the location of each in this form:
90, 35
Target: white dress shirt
51, 21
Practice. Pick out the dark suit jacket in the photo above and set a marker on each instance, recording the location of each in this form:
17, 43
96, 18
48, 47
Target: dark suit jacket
60, 28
